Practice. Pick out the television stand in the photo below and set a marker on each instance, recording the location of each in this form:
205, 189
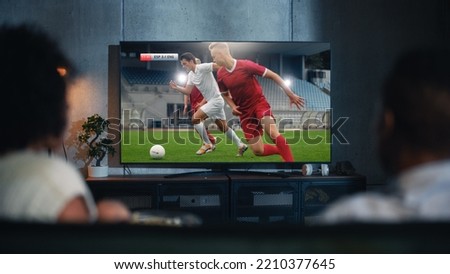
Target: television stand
227, 172
230, 196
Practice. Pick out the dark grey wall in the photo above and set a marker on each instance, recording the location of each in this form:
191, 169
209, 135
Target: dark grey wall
365, 36
207, 20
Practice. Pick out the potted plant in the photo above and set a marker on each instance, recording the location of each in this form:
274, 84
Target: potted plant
92, 135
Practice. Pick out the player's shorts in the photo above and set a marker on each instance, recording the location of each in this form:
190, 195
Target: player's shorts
214, 108
251, 119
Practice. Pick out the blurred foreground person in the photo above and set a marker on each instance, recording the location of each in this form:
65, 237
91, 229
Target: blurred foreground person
414, 146
35, 187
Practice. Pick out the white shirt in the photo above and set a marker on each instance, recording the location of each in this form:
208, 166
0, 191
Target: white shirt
423, 195
36, 187
204, 80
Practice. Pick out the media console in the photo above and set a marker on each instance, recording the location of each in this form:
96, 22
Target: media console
230, 198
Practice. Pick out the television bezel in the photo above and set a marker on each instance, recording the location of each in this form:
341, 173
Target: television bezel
218, 166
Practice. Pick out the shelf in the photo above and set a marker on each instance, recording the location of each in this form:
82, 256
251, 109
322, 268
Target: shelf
230, 198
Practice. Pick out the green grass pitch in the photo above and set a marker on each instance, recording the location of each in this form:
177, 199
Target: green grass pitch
181, 145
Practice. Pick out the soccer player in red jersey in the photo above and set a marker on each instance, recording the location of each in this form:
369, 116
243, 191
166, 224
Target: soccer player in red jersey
196, 100
243, 93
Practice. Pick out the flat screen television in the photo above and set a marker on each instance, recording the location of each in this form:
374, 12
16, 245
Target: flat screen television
153, 114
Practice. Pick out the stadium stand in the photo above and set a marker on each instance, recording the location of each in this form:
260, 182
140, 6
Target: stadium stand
147, 87
314, 115
316, 99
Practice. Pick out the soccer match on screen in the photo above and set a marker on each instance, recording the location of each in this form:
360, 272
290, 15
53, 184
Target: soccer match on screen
213, 102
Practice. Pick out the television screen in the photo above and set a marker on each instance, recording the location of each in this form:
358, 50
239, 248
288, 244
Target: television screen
156, 115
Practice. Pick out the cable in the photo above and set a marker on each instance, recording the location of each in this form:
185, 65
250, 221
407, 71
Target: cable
126, 170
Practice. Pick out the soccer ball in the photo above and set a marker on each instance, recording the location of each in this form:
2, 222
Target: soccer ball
157, 152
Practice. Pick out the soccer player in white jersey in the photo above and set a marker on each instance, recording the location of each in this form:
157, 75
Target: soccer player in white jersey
200, 75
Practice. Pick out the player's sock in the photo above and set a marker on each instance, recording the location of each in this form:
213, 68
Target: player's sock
284, 149
270, 150
200, 127
211, 138
232, 135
